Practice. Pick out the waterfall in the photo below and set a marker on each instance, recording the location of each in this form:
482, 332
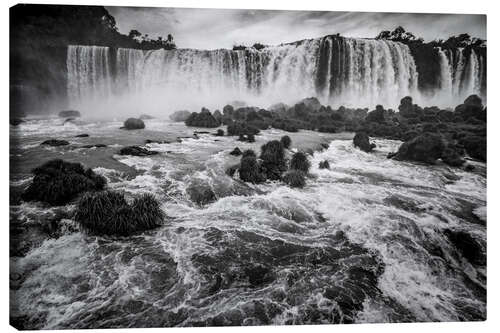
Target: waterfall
339, 71
89, 75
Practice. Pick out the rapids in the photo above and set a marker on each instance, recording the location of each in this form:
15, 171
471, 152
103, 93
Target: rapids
363, 242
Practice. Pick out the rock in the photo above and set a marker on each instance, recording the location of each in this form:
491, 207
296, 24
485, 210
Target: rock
82, 135
201, 193
324, 164
179, 116
133, 124
258, 274
57, 182
156, 141
136, 151
362, 141
69, 114
468, 246
55, 143
451, 157
220, 132
236, 152
97, 145
427, 148
146, 117
15, 121
202, 119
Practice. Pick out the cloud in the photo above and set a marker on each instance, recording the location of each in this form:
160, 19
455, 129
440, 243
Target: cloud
222, 28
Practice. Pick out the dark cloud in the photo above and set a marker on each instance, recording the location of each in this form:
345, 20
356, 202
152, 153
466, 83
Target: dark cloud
222, 28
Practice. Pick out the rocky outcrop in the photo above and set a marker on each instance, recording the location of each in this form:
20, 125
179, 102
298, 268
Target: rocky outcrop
133, 124
55, 143
362, 141
136, 151
202, 119
180, 116
427, 148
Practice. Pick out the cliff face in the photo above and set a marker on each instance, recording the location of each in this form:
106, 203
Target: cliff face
39, 36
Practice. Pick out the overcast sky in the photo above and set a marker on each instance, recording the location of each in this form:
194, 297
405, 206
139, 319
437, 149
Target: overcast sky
223, 28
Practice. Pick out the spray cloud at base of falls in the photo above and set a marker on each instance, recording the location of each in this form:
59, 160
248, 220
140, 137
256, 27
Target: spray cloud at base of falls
337, 70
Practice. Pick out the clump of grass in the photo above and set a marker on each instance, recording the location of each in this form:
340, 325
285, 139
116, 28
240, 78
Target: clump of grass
57, 182
273, 159
300, 162
295, 178
108, 213
250, 170
324, 164
286, 141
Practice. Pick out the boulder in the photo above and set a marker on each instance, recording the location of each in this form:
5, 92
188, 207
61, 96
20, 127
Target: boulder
82, 135
55, 143
220, 132
236, 152
362, 141
468, 246
201, 193
136, 151
133, 124
180, 116
324, 164
97, 145
427, 148
69, 114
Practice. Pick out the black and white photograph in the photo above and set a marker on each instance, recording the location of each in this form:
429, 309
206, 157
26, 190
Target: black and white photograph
200, 167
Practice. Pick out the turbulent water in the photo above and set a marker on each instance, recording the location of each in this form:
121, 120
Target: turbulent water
363, 242
339, 71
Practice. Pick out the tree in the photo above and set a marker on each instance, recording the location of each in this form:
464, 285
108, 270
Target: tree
134, 34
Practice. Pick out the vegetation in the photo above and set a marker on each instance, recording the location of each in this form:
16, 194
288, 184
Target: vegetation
300, 162
295, 178
202, 119
220, 132
250, 169
324, 164
273, 159
286, 141
57, 182
108, 213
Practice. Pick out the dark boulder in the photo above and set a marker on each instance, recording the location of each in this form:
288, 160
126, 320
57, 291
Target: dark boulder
362, 141
136, 151
15, 121
202, 119
82, 135
55, 143
220, 132
69, 114
427, 148
133, 124
180, 116
57, 182
97, 145
236, 152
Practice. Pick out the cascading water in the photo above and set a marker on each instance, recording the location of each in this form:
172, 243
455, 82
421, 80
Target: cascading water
340, 71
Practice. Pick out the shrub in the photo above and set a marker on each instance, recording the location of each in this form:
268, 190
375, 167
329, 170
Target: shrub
250, 170
202, 119
179, 116
201, 193
273, 159
300, 162
295, 178
239, 128
249, 152
220, 132
250, 138
58, 182
324, 164
286, 141
108, 213
133, 123
362, 141
475, 146
69, 114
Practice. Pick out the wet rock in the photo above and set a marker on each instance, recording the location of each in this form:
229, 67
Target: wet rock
427, 148
236, 152
362, 141
133, 124
136, 151
219, 132
55, 143
15, 121
57, 182
201, 193
69, 114
180, 116
97, 145
84, 135
467, 245
156, 141
258, 275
